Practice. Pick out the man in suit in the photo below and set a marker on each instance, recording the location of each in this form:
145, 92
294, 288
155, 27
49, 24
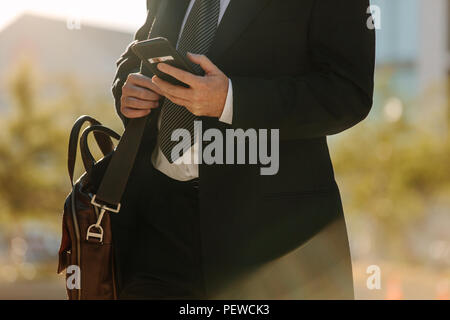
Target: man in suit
303, 67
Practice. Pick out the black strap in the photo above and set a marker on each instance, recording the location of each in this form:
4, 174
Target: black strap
116, 176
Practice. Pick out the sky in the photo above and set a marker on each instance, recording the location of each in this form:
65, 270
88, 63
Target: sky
125, 15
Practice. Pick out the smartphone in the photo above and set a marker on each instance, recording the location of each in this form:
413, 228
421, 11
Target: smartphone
157, 50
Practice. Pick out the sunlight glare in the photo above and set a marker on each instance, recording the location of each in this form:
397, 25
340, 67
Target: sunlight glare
125, 15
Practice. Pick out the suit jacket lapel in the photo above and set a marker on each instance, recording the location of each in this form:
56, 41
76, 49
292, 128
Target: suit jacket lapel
237, 17
169, 19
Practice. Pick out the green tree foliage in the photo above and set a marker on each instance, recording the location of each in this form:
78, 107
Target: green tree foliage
393, 174
33, 147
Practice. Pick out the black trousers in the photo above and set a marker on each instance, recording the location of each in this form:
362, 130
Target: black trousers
163, 259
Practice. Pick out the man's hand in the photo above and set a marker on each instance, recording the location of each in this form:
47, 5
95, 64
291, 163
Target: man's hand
206, 95
139, 96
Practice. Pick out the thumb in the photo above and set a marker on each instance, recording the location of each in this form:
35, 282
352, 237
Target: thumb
203, 61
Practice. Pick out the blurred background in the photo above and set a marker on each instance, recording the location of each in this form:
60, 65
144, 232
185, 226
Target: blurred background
57, 61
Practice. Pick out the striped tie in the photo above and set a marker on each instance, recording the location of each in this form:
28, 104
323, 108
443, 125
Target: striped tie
197, 36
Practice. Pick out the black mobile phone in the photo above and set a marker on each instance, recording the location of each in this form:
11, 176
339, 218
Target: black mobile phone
157, 50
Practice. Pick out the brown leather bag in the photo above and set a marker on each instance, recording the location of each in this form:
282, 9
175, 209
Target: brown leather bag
87, 242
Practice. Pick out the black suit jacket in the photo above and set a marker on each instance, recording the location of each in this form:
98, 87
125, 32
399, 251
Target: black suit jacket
302, 66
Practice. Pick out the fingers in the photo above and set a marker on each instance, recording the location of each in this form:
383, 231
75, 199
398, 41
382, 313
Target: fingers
131, 90
179, 101
134, 103
183, 76
136, 108
203, 61
170, 89
140, 80
139, 96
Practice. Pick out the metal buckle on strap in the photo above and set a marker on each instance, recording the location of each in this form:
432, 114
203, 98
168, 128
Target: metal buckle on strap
104, 206
98, 235
103, 209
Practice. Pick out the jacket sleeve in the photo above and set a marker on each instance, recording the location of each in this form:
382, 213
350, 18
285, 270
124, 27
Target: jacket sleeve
334, 96
129, 62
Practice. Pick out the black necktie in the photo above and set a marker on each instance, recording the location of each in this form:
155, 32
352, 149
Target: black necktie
197, 36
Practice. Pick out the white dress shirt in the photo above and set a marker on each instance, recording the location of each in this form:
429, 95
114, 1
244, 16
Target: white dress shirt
184, 169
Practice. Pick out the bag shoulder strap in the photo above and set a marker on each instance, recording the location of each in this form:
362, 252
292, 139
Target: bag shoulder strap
119, 168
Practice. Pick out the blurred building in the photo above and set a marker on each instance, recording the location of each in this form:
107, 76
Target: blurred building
415, 33
60, 49
413, 43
